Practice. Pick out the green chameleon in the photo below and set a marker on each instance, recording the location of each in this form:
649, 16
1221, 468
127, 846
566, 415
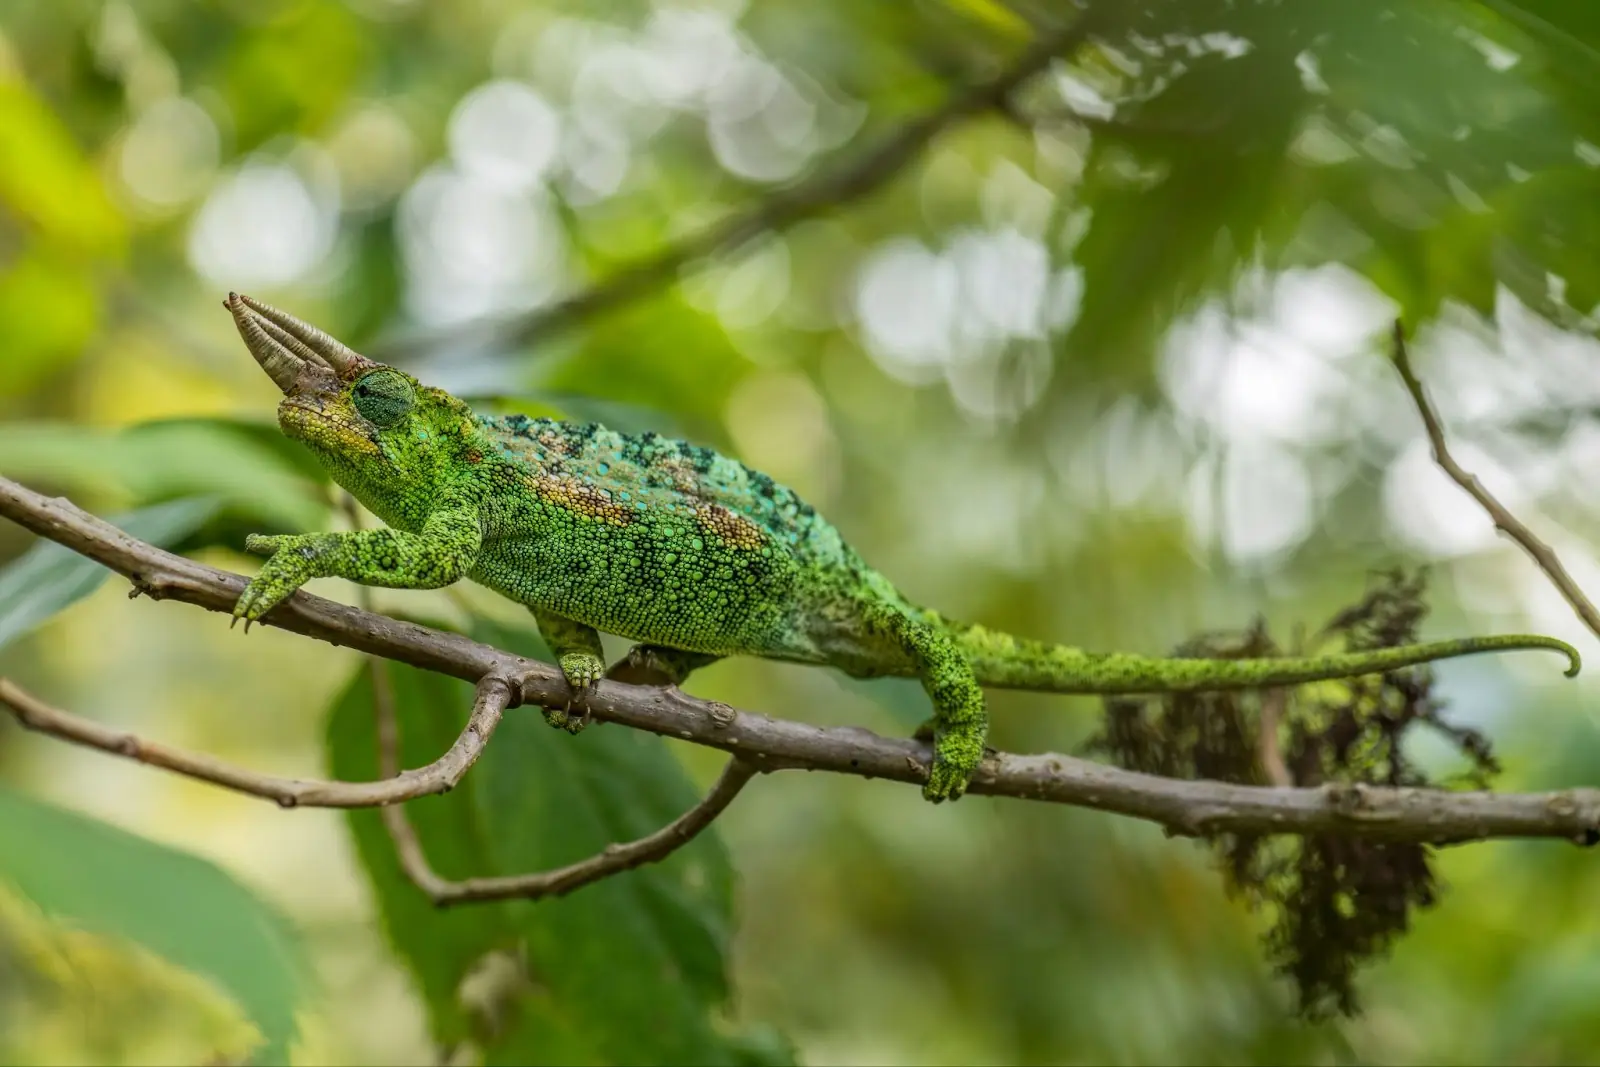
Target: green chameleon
669, 544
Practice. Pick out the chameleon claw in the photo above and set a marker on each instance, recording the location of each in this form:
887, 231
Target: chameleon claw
576, 724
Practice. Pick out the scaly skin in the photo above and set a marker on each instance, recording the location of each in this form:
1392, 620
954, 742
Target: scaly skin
669, 544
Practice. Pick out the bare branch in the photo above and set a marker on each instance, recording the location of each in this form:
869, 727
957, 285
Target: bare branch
440, 776
1543, 555
855, 178
1183, 807
614, 859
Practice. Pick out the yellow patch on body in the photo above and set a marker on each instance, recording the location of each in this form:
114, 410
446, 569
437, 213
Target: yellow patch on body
580, 498
735, 531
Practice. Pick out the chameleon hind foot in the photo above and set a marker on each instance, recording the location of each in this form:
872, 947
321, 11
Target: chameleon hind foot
582, 670
956, 755
578, 651
659, 666
960, 725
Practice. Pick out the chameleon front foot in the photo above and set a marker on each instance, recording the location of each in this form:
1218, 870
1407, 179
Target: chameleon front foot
582, 671
287, 570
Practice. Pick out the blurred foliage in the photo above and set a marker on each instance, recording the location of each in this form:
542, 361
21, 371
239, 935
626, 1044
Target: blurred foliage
49, 578
647, 947
1094, 366
186, 910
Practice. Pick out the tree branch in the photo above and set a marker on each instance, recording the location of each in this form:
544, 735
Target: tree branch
1543, 555
613, 859
852, 180
1183, 807
440, 776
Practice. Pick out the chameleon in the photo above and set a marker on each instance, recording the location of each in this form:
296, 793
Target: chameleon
669, 544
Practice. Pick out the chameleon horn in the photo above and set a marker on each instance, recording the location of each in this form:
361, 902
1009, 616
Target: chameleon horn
289, 341
281, 364
324, 347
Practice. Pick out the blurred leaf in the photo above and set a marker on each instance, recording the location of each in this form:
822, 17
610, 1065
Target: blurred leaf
613, 414
632, 969
637, 355
49, 310
296, 74
253, 470
178, 906
261, 434
902, 698
1181, 200
1563, 43
648, 946
48, 577
46, 181
439, 946
249, 465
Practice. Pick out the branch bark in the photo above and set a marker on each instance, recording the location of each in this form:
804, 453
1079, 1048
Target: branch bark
766, 744
613, 859
828, 188
440, 776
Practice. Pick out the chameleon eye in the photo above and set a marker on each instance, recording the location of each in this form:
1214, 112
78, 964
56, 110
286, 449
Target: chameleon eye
382, 397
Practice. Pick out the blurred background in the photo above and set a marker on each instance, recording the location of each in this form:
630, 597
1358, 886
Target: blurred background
1103, 360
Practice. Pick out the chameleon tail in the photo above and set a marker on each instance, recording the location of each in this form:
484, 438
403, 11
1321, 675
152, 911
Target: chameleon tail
1003, 661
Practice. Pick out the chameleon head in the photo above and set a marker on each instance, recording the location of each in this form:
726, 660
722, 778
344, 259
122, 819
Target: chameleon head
367, 422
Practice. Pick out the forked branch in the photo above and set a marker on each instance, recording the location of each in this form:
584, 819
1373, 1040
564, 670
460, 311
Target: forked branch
613, 859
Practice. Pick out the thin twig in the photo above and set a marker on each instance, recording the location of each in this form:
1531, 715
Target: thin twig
1184, 807
1543, 555
827, 189
612, 860
493, 695
1274, 706
1269, 747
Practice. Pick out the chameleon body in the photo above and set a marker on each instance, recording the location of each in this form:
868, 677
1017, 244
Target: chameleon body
666, 543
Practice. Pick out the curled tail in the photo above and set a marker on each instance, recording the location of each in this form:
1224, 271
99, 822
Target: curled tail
1003, 661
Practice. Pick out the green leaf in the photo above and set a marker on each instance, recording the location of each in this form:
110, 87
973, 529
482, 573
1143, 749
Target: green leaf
179, 906
439, 946
47, 181
49, 310
648, 946
257, 475
48, 578
1180, 200
630, 969
258, 435
297, 75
